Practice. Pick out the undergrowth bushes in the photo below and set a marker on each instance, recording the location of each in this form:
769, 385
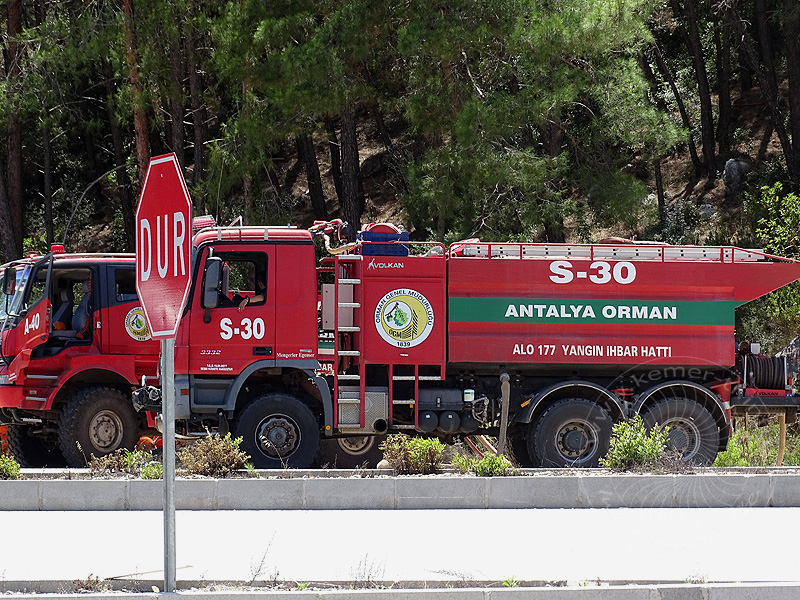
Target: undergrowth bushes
211, 456
413, 455
633, 445
754, 446
490, 465
9, 468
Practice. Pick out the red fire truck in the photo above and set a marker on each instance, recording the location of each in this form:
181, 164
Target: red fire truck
551, 343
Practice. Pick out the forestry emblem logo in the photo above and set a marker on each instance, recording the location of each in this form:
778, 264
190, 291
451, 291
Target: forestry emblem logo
404, 318
136, 325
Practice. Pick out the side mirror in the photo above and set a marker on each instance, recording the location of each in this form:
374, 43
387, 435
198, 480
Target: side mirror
211, 282
9, 281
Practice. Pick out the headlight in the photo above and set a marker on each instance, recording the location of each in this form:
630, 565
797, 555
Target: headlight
4, 379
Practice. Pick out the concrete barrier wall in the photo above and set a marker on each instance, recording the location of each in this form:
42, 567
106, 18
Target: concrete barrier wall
757, 591
410, 492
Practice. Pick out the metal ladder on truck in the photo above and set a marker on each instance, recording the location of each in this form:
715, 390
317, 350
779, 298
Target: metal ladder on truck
345, 266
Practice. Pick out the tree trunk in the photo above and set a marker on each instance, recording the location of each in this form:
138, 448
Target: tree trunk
140, 124
198, 108
247, 177
701, 75
666, 73
662, 203
8, 244
745, 72
765, 44
14, 132
351, 197
247, 197
336, 157
176, 100
778, 118
305, 148
123, 181
385, 137
48, 183
791, 31
722, 40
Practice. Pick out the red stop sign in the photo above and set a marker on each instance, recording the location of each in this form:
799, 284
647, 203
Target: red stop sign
163, 246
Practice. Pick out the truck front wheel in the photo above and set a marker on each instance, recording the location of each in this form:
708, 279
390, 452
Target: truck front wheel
96, 420
571, 433
30, 451
278, 431
692, 430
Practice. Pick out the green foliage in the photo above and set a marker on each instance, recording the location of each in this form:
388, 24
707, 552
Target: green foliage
531, 113
122, 461
413, 455
213, 456
9, 468
680, 224
153, 470
632, 445
779, 222
464, 464
774, 319
754, 446
511, 582
492, 465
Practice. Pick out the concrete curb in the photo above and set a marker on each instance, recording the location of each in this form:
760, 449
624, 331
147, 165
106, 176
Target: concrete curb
721, 591
270, 492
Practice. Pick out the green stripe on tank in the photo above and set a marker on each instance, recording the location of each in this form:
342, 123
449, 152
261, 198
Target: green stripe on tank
527, 310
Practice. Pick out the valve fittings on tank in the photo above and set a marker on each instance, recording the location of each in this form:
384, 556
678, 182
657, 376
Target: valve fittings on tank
147, 398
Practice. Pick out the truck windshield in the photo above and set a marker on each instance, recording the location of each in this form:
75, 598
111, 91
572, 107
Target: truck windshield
13, 305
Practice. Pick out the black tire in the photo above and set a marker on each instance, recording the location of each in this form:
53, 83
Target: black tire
359, 452
571, 433
278, 431
30, 451
693, 431
96, 421
519, 450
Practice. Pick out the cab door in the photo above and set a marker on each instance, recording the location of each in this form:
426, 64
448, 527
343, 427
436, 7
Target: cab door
240, 329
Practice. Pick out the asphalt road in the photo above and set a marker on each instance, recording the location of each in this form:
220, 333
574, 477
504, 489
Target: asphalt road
574, 545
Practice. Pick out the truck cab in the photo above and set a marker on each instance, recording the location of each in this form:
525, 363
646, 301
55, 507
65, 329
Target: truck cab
247, 342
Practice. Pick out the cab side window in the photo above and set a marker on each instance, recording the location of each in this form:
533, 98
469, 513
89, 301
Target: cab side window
125, 285
243, 280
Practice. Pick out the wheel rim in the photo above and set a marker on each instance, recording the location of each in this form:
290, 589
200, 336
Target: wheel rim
576, 440
356, 445
106, 431
683, 437
278, 436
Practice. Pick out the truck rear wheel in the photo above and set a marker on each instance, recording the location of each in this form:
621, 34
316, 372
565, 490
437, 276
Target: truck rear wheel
571, 433
30, 451
96, 421
692, 430
278, 430
351, 452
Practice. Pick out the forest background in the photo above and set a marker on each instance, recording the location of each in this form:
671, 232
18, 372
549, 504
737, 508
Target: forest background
525, 120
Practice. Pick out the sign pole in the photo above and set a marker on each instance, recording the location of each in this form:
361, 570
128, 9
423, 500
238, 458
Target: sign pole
163, 235
168, 414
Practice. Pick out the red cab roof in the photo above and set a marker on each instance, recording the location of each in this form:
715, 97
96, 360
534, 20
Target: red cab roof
233, 234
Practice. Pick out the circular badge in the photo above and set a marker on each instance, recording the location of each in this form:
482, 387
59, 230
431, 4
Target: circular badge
404, 318
136, 325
